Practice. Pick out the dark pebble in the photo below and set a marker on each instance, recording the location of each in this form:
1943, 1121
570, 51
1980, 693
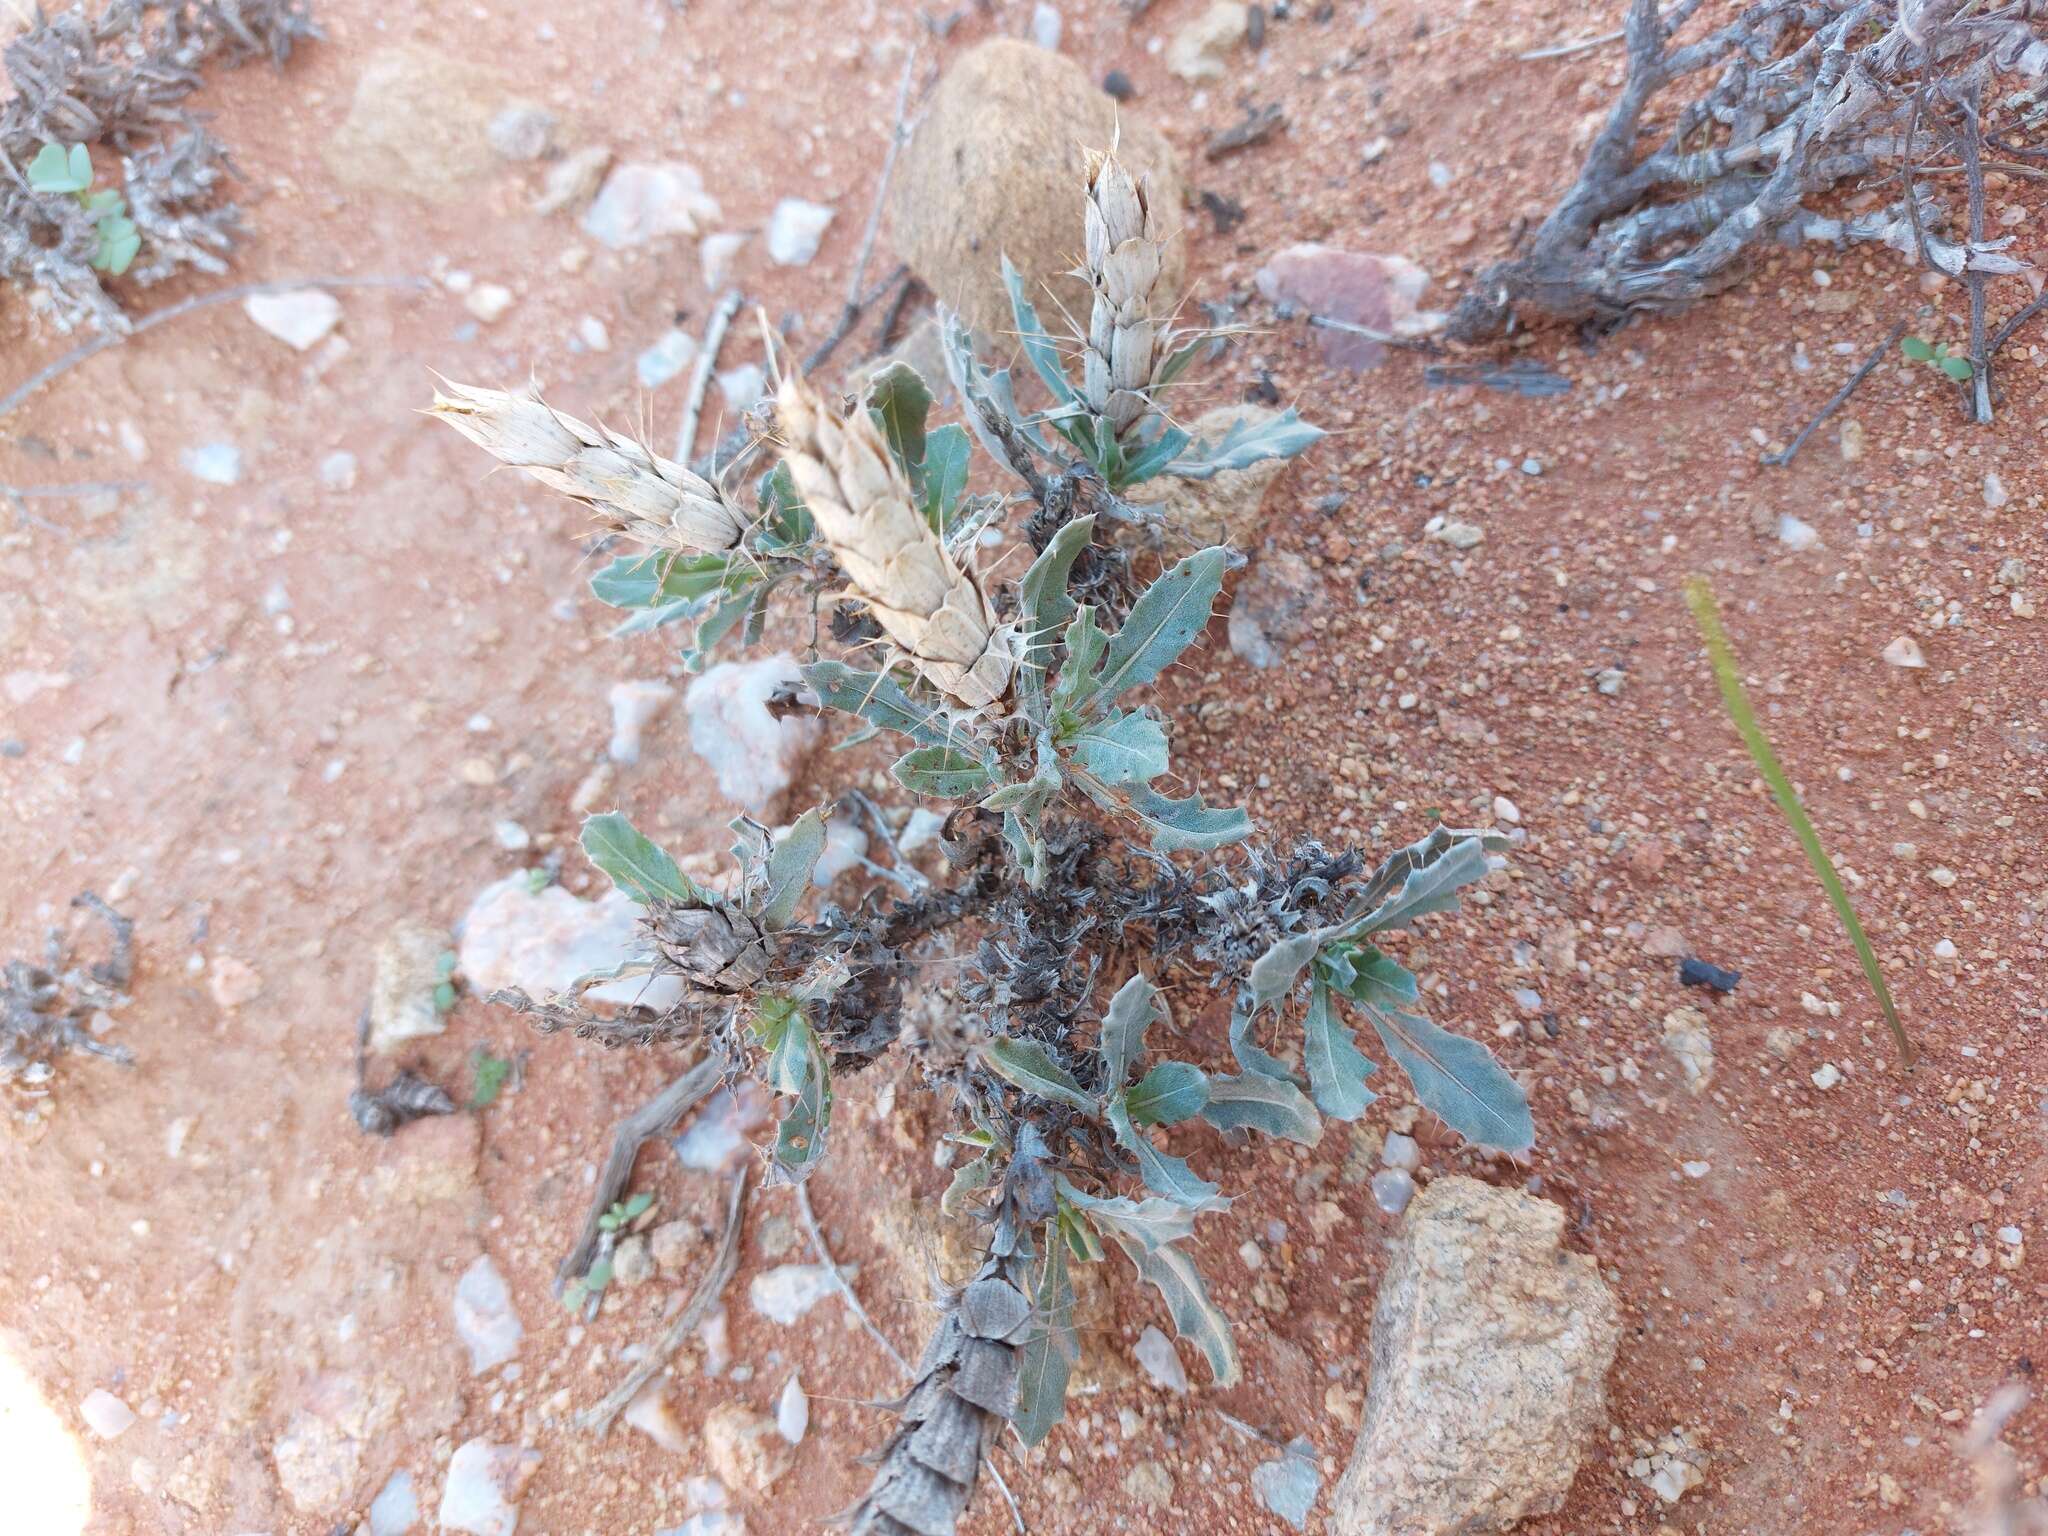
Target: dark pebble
1697, 973
1118, 84
12, 747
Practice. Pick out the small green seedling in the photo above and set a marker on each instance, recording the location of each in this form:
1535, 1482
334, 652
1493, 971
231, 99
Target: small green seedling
1954, 364
61, 170
490, 1070
587, 1286
623, 1213
444, 988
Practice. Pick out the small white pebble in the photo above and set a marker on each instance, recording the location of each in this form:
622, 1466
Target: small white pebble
1945, 949
1904, 651
1400, 1152
1827, 1077
488, 302
1696, 1170
1506, 810
105, 1414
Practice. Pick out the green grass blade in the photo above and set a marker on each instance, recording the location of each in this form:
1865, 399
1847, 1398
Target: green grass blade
1699, 597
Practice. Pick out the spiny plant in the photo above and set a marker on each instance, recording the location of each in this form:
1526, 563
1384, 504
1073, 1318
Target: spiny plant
1079, 887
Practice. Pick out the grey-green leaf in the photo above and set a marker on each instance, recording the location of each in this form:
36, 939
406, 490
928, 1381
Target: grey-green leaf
948, 454
1253, 1101
1085, 645
1459, 1080
1038, 347
1050, 1348
1165, 621
1431, 888
1029, 1065
967, 1178
1148, 1223
1337, 1069
636, 865
1189, 824
1196, 1317
945, 772
1043, 591
800, 1137
1275, 972
1171, 1092
1246, 443
899, 400
1133, 1010
1163, 1173
878, 698
1126, 748
789, 869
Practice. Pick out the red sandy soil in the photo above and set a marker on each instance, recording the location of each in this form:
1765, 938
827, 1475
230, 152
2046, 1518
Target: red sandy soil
1821, 1309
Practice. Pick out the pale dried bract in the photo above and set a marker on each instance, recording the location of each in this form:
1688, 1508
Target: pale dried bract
650, 499
894, 562
1123, 265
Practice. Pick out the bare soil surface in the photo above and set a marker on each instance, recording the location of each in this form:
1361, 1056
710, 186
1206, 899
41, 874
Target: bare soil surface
277, 716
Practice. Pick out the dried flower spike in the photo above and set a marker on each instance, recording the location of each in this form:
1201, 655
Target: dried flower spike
1123, 260
864, 510
652, 500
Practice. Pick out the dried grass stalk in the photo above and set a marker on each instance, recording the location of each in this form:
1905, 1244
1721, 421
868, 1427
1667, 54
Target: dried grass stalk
652, 500
862, 505
1123, 261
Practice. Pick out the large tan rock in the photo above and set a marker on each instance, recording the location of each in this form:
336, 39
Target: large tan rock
418, 125
1490, 1349
996, 167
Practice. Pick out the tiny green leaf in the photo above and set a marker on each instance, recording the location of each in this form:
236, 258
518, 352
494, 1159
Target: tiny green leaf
638, 1206
1171, 1092
488, 1074
1918, 350
1030, 1066
55, 169
900, 401
1957, 368
948, 455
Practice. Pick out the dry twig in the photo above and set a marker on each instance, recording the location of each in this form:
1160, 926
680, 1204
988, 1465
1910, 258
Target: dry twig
1802, 98
1840, 398
700, 377
846, 1292
656, 1117
687, 1321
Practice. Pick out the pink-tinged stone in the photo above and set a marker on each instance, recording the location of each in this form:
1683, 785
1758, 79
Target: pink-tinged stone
1378, 292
